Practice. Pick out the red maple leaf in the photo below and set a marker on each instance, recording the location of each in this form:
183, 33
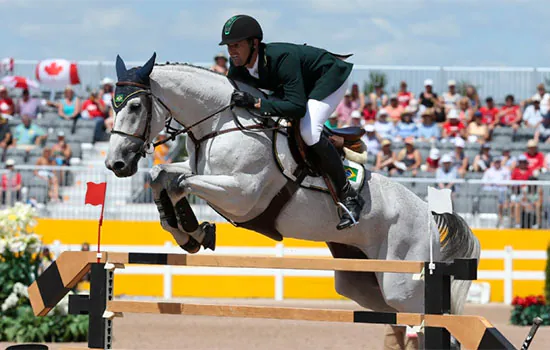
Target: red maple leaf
53, 69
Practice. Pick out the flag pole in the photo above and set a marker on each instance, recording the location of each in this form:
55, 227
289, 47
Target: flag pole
99, 226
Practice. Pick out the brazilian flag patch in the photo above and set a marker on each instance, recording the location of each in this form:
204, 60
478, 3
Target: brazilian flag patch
351, 173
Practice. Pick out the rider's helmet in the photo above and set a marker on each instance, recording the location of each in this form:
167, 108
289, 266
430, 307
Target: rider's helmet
241, 27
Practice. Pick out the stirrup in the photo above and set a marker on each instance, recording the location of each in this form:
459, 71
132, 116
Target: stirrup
344, 208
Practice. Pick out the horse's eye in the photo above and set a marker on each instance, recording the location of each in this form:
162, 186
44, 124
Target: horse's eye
134, 107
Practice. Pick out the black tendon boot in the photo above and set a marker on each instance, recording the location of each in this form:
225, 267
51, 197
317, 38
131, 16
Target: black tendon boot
328, 161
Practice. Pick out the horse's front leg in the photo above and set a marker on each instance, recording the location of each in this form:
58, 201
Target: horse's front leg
176, 215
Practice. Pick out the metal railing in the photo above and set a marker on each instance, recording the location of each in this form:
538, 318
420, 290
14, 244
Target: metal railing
509, 204
489, 81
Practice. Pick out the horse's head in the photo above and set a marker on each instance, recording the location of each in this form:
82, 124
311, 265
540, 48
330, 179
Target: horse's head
137, 120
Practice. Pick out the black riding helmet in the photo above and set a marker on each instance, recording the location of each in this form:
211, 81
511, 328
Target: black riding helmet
240, 27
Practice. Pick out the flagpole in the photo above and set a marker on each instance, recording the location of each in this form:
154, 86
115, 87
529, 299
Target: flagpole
99, 226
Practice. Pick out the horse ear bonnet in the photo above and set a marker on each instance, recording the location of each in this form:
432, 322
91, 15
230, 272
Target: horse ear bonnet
138, 75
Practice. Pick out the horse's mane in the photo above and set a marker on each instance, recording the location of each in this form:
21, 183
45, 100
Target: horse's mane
184, 64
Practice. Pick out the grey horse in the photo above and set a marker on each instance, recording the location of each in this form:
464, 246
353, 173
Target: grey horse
236, 174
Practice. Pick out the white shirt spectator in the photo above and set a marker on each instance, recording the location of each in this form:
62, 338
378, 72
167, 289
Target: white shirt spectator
386, 130
532, 116
544, 101
496, 173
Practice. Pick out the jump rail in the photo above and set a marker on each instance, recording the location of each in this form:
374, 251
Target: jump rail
63, 274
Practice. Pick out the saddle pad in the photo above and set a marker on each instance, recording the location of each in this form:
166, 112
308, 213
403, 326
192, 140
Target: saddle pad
287, 163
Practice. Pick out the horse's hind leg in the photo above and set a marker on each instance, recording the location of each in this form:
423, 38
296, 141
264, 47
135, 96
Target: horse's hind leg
176, 215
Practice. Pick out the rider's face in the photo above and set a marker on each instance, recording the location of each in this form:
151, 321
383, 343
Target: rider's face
238, 52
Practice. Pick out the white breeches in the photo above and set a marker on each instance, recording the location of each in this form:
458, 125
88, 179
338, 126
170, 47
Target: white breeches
318, 112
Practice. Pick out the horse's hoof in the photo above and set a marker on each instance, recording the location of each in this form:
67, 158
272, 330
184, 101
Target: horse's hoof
209, 240
192, 246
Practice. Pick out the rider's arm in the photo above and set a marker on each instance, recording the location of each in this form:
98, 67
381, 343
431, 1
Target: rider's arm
294, 101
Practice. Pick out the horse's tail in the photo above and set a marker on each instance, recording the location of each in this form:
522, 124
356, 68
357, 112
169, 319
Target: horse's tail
457, 241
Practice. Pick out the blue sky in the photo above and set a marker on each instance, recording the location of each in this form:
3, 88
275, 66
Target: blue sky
403, 32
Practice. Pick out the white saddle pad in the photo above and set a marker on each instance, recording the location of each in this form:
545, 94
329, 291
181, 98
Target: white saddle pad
283, 155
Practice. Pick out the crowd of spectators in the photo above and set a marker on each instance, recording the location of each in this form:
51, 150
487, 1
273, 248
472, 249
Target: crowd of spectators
34, 131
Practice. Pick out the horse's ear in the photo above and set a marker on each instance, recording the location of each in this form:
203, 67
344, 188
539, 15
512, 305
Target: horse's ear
143, 72
120, 68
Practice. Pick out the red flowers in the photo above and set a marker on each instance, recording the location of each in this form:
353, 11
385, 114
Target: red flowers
529, 300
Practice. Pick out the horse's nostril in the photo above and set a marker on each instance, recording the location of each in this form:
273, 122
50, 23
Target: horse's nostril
119, 165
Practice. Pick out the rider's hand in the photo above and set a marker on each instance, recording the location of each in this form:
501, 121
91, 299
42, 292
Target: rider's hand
243, 99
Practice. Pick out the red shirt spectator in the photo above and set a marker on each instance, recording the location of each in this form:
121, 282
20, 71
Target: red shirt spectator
509, 114
15, 181
535, 159
404, 98
94, 107
369, 113
521, 172
453, 127
6, 103
489, 112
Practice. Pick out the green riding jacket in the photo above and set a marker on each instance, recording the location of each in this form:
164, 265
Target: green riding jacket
295, 73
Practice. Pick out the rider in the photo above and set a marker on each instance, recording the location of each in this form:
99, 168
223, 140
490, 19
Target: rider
310, 82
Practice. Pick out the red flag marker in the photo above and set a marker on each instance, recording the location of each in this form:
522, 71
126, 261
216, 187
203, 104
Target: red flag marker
95, 195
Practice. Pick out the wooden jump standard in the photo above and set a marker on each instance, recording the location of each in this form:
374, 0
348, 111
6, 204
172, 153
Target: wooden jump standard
473, 332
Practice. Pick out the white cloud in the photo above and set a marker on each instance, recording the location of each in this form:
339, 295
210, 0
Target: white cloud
396, 8
387, 27
444, 27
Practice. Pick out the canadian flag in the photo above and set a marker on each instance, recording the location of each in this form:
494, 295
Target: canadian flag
6, 66
57, 73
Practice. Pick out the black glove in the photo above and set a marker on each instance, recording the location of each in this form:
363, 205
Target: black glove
243, 99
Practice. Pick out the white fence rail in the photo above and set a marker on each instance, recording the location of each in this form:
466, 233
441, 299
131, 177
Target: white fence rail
508, 275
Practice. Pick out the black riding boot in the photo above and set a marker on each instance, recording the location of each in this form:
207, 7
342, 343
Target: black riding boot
328, 161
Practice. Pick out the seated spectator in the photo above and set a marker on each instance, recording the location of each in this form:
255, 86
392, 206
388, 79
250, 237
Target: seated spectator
6, 103
356, 119
406, 127
404, 96
394, 109
535, 158
520, 173
378, 98
369, 113
529, 204
344, 109
357, 97
332, 121
465, 111
410, 157
483, 160
5, 136
70, 107
428, 98
416, 110
451, 97
489, 113
459, 158
477, 131
11, 184
28, 135
46, 174
385, 159
446, 174
428, 130
473, 98
371, 140
220, 64
28, 105
508, 161
453, 127
93, 107
106, 92
510, 114
62, 154
432, 162
532, 115
542, 96
162, 152
542, 131
494, 174
384, 128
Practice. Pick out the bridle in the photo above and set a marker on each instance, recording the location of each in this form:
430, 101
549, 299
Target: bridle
148, 147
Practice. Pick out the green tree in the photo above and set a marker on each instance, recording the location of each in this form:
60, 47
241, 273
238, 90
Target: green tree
375, 78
